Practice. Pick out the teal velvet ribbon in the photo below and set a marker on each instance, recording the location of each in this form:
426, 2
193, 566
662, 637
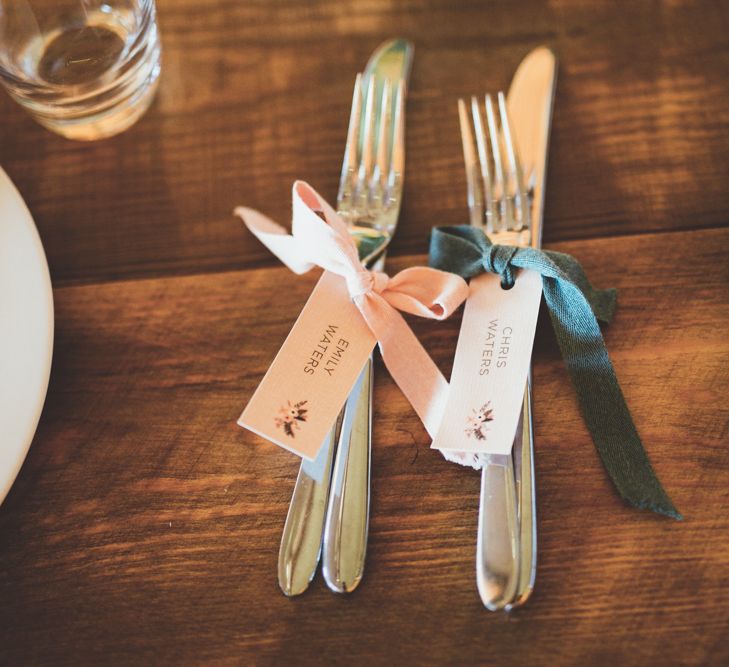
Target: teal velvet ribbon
575, 308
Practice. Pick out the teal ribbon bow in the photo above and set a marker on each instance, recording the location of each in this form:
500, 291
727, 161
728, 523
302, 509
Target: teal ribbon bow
575, 308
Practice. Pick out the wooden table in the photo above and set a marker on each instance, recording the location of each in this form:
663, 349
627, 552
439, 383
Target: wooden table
144, 525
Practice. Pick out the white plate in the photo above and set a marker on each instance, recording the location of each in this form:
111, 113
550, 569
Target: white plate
26, 331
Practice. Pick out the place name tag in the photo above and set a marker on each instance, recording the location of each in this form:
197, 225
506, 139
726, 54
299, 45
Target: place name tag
299, 398
491, 365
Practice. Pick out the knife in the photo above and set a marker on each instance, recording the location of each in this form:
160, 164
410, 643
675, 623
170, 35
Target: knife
530, 101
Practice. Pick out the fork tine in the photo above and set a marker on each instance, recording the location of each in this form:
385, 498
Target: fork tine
483, 159
368, 140
351, 157
383, 142
475, 197
498, 176
520, 219
397, 163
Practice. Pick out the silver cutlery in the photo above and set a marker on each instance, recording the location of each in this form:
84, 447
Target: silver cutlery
300, 547
370, 194
507, 200
530, 102
331, 502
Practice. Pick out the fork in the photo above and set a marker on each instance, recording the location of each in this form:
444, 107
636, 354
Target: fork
370, 192
499, 202
333, 500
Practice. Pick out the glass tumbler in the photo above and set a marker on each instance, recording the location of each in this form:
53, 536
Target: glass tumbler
86, 69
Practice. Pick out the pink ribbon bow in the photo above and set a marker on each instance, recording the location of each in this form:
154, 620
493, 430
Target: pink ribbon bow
419, 290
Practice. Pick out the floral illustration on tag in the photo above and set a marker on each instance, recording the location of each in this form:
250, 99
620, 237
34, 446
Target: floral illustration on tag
478, 420
292, 415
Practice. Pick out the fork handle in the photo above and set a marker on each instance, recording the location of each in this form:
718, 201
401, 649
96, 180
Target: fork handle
497, 554
301, 540
346, 525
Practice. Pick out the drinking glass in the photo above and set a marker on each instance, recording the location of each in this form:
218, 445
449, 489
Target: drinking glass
86, 69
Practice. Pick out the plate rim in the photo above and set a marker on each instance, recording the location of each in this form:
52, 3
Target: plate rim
8, 477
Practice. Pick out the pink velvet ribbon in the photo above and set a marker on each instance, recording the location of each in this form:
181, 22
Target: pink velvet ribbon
419, 290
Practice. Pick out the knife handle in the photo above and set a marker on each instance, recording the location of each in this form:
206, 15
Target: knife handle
526, 501
346, 525
300, 548
497, 554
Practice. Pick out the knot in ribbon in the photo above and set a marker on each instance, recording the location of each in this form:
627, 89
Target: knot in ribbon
427, 292
363, 282
498, 260
574, 308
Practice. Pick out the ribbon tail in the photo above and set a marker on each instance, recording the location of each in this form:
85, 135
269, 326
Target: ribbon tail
601, 400
602, 301
407, 361
275, 238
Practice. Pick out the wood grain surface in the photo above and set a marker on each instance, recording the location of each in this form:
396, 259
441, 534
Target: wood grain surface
144, 525
256, 94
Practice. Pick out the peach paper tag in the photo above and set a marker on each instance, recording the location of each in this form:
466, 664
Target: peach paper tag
308, 382
491, 365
